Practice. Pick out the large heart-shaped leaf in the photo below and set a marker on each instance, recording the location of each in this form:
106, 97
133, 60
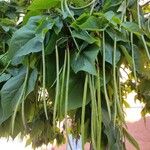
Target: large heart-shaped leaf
29, 38
85, 61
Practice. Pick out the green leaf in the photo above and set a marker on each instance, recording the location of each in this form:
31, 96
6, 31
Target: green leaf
32, 46
141, 62
53, 37
122, 7
109, 54
131, 139
127, 55
75, 94
44, 4
58, 25
109, 15
50, 70
84, 35
132, 27
29, 38
4, 77
30, 14
120, 36
11, 91
144, 90
75, 97
85, 61
91, 23
31, 81
22, 37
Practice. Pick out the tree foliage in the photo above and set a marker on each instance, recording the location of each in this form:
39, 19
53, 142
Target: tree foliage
64, 59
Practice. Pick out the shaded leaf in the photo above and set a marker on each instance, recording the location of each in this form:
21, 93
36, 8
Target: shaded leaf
11, 92
109, 54
132, 27
86, 60
120, 35
91, 23
84, 35
4, 77
30, 37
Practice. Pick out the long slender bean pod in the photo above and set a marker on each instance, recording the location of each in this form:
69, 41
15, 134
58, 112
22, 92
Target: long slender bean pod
43, 82
66, 95
83, 109
132, 49
19, 100
93, 117
57, 85
114, 82
104, 79
99, 109
140, 26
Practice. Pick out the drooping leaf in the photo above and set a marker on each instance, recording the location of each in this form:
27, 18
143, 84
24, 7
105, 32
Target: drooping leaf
141, 62
84, 35
75, 96
119, 35
22, 36
144, 90
11, 92
85, 61
91, 23
109, 54
132, 27
53, 37
127, 55
30, 37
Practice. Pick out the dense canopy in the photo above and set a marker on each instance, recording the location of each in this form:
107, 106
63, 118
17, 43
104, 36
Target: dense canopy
61, 59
